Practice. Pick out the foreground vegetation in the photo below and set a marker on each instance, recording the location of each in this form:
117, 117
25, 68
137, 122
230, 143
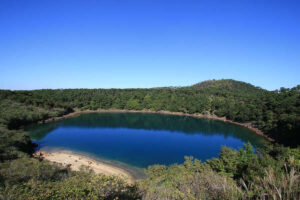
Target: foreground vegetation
270, 173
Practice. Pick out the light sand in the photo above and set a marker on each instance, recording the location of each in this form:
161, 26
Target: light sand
75, 161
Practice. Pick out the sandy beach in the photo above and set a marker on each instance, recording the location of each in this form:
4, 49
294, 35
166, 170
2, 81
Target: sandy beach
75, 161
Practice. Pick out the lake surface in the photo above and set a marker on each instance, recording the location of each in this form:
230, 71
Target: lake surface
142, 139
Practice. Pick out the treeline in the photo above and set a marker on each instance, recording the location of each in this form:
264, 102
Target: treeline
276, 113
272, 173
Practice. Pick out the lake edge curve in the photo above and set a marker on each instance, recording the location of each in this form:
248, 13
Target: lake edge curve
213, 117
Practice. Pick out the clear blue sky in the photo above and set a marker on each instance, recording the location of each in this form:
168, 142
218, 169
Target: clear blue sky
130, 44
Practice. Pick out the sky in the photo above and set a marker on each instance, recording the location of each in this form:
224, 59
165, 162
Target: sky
143, 44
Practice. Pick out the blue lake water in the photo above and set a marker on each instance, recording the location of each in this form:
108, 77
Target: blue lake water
140, 139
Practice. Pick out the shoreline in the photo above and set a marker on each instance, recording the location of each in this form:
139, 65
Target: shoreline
246, 125
76, 160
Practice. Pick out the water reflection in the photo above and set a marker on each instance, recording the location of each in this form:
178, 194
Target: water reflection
142, 139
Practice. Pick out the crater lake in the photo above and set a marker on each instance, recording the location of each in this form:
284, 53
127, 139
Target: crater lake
141, 139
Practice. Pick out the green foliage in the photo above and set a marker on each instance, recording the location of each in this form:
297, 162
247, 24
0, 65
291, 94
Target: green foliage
15, 114
270, 174
191, 180
14, 144
34, 179
235, 164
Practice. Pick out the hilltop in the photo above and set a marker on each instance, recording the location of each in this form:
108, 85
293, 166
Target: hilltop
230, 87
227, 84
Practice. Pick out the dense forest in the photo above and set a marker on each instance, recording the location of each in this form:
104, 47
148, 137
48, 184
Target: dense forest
270, 173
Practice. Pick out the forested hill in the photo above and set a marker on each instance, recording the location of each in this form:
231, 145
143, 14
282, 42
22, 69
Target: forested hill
277, 113
229, 85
